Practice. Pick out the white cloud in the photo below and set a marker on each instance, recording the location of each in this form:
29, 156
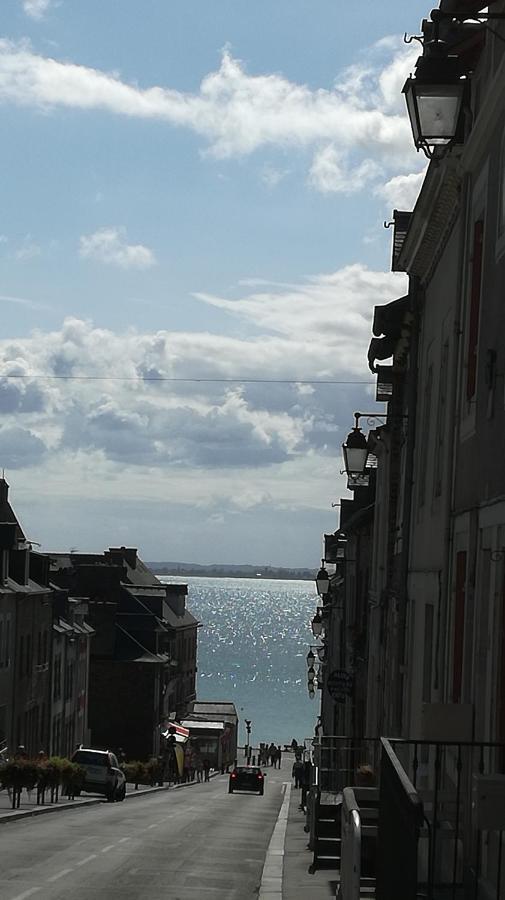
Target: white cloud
36, 9
108, 245
317, 330
28, 249
401, 191
271, 176
330, 173
236, 112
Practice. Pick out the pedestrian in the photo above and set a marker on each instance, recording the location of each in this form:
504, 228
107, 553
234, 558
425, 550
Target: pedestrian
206, 770
297, 772
294, 745
279, 756
199, 768
305, 782
272, 752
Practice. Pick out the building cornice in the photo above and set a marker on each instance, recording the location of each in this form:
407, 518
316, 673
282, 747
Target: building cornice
433, 217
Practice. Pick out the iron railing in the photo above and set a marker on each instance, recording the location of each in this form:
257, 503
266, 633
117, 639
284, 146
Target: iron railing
350, 865
457, 857
400, 820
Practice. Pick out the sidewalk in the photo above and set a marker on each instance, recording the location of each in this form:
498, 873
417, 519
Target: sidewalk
29, 806
297, 883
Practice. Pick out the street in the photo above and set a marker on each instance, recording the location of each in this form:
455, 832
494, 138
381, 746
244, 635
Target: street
179, 844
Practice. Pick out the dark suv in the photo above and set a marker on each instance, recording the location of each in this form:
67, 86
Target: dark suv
246, 778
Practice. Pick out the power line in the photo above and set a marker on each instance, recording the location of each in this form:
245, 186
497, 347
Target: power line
163, 378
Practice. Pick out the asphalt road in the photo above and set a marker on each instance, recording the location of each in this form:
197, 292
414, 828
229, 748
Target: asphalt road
177, 845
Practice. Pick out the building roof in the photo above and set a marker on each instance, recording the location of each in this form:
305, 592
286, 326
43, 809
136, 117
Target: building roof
7, 513
202, 725
215, 709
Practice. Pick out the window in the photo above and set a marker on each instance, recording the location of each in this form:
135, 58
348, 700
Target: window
425, 436
428, 652
501, 204
21, 656
441, 422
459, 627
474, 313
7, 654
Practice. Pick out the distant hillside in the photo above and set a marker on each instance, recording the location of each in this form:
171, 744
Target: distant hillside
232, 571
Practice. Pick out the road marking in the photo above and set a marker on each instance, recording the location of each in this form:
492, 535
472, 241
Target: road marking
27, 893
122, 840
87, 859
60, 875
271, 878
154, 825
106, 849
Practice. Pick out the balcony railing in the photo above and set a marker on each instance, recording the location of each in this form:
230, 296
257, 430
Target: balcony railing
441, 813
460, 837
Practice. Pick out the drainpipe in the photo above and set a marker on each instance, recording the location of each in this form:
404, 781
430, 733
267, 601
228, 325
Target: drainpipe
454, 403
416, 295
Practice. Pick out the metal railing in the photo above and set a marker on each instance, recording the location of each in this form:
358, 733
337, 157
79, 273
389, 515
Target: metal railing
456, 855
350, 865
338, 757
401, 817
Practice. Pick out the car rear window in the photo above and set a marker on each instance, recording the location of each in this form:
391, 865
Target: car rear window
90, 757
247, 770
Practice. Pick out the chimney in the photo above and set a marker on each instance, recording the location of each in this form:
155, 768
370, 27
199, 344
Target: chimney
4, 490
118, 555
19, 566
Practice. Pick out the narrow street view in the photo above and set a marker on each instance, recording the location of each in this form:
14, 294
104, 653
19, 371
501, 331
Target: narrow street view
177, 844
252, 445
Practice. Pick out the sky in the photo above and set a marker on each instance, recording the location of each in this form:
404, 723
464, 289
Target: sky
192, 201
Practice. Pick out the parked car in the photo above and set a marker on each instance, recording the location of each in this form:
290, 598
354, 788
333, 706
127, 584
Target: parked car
103, 775
246, 778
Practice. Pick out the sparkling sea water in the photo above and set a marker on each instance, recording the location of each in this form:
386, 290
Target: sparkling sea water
252, 646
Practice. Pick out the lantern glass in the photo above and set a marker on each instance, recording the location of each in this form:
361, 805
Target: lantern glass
310, 658
355, 459
322, 581
434, 111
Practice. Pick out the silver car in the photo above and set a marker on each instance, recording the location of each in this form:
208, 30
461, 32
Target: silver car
103, 775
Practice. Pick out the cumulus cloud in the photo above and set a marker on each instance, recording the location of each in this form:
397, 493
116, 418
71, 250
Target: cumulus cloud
330, 172
235, 111
109, 246
36, 9
401, 191
147, 416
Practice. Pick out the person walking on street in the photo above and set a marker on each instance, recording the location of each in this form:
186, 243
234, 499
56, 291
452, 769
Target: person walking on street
206, 770
305, 782
279, 756
297, 772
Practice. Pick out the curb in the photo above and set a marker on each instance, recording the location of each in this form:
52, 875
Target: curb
273, 869
15, 816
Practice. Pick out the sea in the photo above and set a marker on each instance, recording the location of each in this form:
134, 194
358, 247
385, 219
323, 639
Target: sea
252, 646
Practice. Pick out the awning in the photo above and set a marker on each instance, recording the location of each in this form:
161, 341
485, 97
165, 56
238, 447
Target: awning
180, 733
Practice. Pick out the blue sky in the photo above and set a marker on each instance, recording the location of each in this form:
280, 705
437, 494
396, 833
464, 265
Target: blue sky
194, 190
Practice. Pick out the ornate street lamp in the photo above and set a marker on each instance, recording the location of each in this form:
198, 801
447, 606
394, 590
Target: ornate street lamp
322, 580
435, 98
310, 658
355, 451
317, 623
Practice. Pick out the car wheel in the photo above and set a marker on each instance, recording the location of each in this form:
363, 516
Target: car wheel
121, 794
110, 796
